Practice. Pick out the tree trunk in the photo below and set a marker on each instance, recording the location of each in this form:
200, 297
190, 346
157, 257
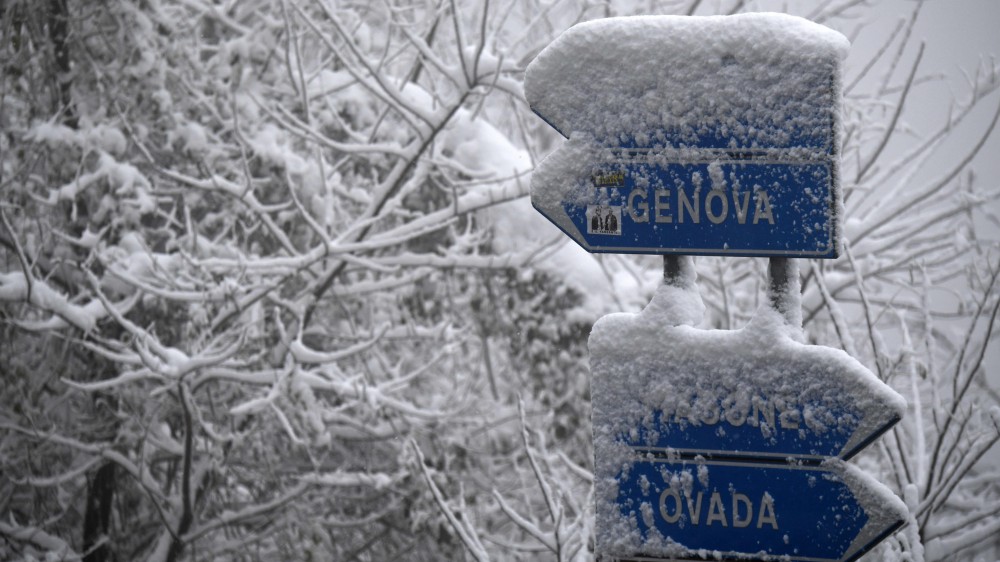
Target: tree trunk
59, 34
98, 515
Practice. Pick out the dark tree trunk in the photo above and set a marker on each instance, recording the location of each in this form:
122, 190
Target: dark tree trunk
101, 488
59, 35
97, 518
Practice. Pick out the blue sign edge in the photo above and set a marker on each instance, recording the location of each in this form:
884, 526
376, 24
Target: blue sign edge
744, 558
748, 558
871, 439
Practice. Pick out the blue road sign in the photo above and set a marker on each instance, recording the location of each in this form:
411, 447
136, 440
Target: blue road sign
750, 511
764, 207
733, 394
711, 149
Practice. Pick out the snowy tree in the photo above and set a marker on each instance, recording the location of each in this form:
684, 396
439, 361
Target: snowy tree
241, 251
270, 287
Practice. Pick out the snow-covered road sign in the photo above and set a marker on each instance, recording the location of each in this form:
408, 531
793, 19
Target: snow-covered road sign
749, 394
736, 394
708, 136
761, 421
831, 513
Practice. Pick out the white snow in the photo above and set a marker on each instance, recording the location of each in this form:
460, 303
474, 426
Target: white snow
621, 76
14, 286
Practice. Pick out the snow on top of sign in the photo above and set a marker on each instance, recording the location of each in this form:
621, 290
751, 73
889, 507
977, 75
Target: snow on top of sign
657, 362
754, 80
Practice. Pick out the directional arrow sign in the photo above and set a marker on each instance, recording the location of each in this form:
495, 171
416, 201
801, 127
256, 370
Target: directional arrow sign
713, 136
714, 510
735, 394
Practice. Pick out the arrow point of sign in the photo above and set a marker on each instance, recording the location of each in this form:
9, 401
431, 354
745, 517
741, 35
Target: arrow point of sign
885, 511
884, 406
871, 427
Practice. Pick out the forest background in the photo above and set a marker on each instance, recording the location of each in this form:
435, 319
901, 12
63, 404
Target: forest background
271, 288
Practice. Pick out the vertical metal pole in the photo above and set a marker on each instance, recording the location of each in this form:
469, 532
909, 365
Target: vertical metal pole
783, 289
777, 274
672, 271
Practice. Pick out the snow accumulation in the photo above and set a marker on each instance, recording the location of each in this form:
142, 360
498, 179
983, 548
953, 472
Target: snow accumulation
14, 286
654, 79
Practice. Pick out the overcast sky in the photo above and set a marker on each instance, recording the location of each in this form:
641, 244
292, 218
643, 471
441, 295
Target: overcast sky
958, 34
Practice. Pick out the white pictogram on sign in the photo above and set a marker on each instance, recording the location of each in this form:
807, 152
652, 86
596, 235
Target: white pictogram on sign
604, 219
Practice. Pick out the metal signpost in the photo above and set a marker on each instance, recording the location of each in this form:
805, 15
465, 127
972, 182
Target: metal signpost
744, 456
